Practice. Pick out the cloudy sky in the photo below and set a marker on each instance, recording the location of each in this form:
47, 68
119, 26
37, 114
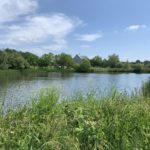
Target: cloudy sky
85, 27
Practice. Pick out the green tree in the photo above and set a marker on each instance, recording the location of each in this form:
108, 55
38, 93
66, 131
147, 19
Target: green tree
4, 60
105, 63
31, 58
96, 61
10, 59
138, 62
64, 60
147, 64
46, 60
85, 66
126, 65
16, 61
113, 60
138, 68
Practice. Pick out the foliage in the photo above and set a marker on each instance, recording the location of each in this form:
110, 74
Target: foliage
105, 63
113, 60
13, 59
137, 68
147, 64
113, 122
126, 65
146, 89
32, 59
96, 61
46, 60
85, 66
64, 60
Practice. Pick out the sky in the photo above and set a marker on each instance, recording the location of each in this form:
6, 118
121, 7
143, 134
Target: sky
84, 27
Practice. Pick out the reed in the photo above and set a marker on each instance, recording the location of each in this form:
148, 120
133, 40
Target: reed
114, 122
146, 89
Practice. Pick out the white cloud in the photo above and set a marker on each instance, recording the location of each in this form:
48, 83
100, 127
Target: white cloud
11, 9
41, 29
20, 26
89, 37
135, 27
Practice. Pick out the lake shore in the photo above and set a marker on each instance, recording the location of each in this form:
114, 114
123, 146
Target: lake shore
117, 121
92, 70
95, 70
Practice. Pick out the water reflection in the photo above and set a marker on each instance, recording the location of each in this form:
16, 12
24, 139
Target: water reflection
18, 88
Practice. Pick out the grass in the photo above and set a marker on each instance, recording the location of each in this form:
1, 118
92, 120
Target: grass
111, 70
146, 89
119, 70
114, 122
71, 70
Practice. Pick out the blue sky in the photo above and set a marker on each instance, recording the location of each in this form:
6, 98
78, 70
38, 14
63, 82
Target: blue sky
85, 27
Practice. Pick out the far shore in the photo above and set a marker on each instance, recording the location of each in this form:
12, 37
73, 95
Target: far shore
70, 70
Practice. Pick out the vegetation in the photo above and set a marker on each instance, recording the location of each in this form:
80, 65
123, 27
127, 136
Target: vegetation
113, 61
46, 60
96, 61
146, 89
85, 66
64, 60
12, 59
113, 122
116, 121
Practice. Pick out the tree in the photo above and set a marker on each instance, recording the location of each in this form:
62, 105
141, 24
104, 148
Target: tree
31, 58
147, 64
138, 68
138, 62
64, 60
85, 66
126, 65
16, 61
46, 60
4, 60
96, 61
113, 60
12, 60
105, 63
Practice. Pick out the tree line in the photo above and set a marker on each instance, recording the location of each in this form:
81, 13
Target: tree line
13, 59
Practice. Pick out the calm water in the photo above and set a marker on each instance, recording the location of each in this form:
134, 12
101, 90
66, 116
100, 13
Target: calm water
18, 88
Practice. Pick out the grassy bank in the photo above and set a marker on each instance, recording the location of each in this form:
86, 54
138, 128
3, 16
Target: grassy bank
94, 70
71, 70
115, 122
119, 70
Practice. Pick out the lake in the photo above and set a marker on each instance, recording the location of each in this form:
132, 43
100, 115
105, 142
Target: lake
18, 88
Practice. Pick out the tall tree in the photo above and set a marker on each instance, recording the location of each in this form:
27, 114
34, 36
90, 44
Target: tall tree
31, 58
46, 60
85, 66
113, 60
96, 61
64, 60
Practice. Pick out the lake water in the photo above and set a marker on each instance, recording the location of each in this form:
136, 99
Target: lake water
18, 88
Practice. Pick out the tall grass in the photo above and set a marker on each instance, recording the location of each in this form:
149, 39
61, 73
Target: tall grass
115, 122
146, 89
